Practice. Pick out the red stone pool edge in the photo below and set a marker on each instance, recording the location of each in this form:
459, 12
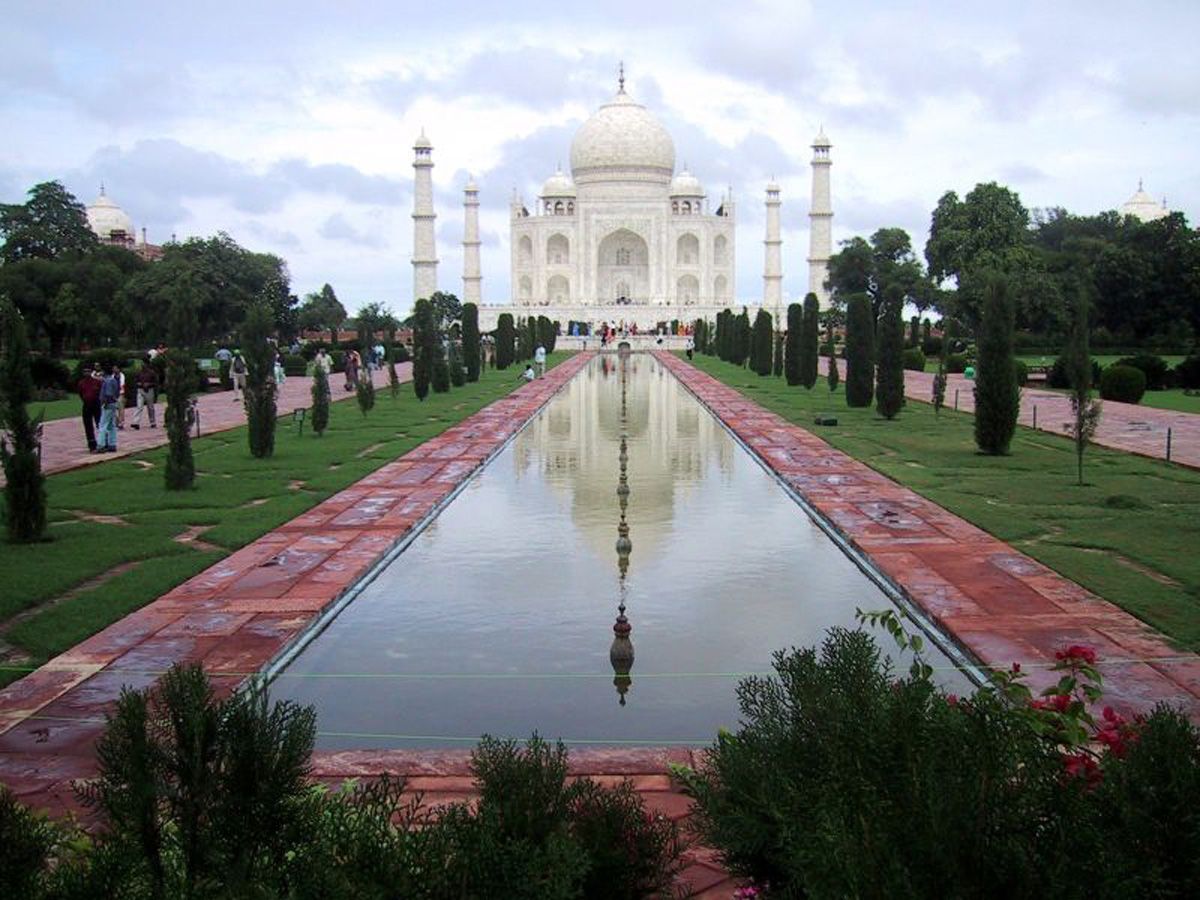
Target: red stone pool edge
999, 605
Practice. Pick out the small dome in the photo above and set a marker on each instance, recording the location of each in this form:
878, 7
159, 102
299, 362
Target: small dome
558, 185
773, 186
1143, 207
472, 187
422, 142
820, 140
622, 141
685, 184
105, 217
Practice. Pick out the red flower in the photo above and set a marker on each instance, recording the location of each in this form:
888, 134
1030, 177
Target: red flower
952, 699
1081, 765
1077, 653
1056, 702
1016, 668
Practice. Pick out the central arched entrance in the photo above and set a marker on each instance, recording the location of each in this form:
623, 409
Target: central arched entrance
623, 268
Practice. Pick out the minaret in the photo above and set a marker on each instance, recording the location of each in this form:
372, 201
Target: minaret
424, 258
820, 217
773, 258
471, 275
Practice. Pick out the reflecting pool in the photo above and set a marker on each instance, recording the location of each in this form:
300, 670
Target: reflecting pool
499, 617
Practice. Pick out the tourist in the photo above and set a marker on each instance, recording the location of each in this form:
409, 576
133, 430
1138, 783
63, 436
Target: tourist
352, 364
147, 387
110, 391
237, 371
279, 372
322, 361
528, 373
158, 350
691, 345
539, 358
89, 394
380, 355
222, 355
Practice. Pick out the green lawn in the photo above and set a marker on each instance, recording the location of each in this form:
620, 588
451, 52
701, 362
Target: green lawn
69, 408
240, 497
1173, 399
1130, 534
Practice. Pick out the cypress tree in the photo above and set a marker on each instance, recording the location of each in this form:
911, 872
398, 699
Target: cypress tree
795, 327
997, 395
364, 393
833, 376
505, 335
1085, 410
439, 369
320, 399
424, 340
552, 337
393, 377
742, 349
760, 354
724, 351
926, 331
777, 371
889, 388
25, 486
260, 380
914, 332
809, 331
458, 375
180, 470
860, 351
470, 340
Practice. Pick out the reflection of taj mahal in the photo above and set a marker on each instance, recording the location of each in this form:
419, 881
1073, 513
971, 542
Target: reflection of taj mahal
622, 237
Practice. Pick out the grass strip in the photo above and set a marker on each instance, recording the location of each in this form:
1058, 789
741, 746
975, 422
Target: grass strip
1129, 534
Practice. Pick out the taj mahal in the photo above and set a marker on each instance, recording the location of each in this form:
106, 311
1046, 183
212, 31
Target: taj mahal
624, 237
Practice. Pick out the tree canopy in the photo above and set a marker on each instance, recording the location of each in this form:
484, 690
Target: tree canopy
871, 267
51, 224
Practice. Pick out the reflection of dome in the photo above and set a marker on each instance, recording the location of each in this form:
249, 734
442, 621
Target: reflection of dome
622, 141
558, 185
105, 217
685, 184
1143, 207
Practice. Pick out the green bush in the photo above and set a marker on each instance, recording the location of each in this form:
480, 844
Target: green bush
399, 353
1059, 376
180, 470
956, 363
1187, 373
760, 343
337, 360
320, 401
860, 351
846, 781
997, 396
506, 337
294, 364
914, 360
470, 341
1021, 372
1155, 369
932, 346
889, 374
809, 338
364, 394
1124, 384
50, 373
261, 389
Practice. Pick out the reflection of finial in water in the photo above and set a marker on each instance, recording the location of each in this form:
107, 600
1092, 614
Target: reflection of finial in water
620, 653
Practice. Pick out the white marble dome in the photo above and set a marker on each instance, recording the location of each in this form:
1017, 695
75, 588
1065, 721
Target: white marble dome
685, 184
558, 185
1143, 207
622, 141
104, 217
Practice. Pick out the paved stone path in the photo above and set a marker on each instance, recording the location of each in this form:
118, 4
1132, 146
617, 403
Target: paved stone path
1123, 426
65, 447
998, 604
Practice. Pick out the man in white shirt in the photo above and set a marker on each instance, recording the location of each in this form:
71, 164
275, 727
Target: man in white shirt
539, 358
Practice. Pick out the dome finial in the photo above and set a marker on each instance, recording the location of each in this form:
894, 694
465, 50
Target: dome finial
621, 77
1139, 185
101, 188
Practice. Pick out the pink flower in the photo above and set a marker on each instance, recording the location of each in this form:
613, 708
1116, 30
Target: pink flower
1056, 702
1016, 668
745, 893
1076, 654
952, 699
1082, 765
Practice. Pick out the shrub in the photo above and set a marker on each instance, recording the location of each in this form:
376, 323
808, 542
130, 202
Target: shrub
1187, 373
1020, 372
50, 373
997, 397
1059, 375
337, 360
792, 366
180, 470
294, 364
260, 380
1153, 367
470, 340
956, 363
27, 843
364, 393
889, 384
760, 345
809, 339
458, 374
25, 486
505, 341
399, 353
914, 360
860, 351
1124, 384
833, 376
932, 346
425, 345
777, 364
320, 401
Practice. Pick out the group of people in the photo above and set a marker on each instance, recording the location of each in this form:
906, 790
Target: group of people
102, 392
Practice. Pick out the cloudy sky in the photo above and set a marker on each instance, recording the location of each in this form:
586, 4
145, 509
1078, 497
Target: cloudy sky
290, 124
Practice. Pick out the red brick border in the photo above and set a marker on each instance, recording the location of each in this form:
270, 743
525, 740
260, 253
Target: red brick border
998, 604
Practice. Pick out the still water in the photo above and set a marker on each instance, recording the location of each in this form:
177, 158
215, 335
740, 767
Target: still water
499, 617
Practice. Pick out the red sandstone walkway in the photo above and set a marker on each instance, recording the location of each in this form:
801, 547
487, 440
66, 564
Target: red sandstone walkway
64, 446
998, 604
1123, 426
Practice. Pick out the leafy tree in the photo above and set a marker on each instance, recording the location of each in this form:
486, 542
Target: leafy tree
470, 340
505, 336
371, 320
1085, 412
997, 395
49, 225
25, 486
808, 341
322, 311
260, 380
793, 365
180, 471
446, 308
760, 349
889, 390
320, 400
425, 346
860, 351
870, 267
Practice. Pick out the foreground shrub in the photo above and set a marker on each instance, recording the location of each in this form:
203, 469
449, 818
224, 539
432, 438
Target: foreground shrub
847, 781
1155, 369
25, 486
1124, 384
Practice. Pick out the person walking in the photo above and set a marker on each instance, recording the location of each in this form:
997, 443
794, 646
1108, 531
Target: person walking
539, 359
89, 394
279, 371
237, 371
691, 347
147, 387
121, 401
352, 364
110, 389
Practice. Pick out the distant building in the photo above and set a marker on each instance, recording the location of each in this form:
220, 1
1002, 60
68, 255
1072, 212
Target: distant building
113, 226
1143, 207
